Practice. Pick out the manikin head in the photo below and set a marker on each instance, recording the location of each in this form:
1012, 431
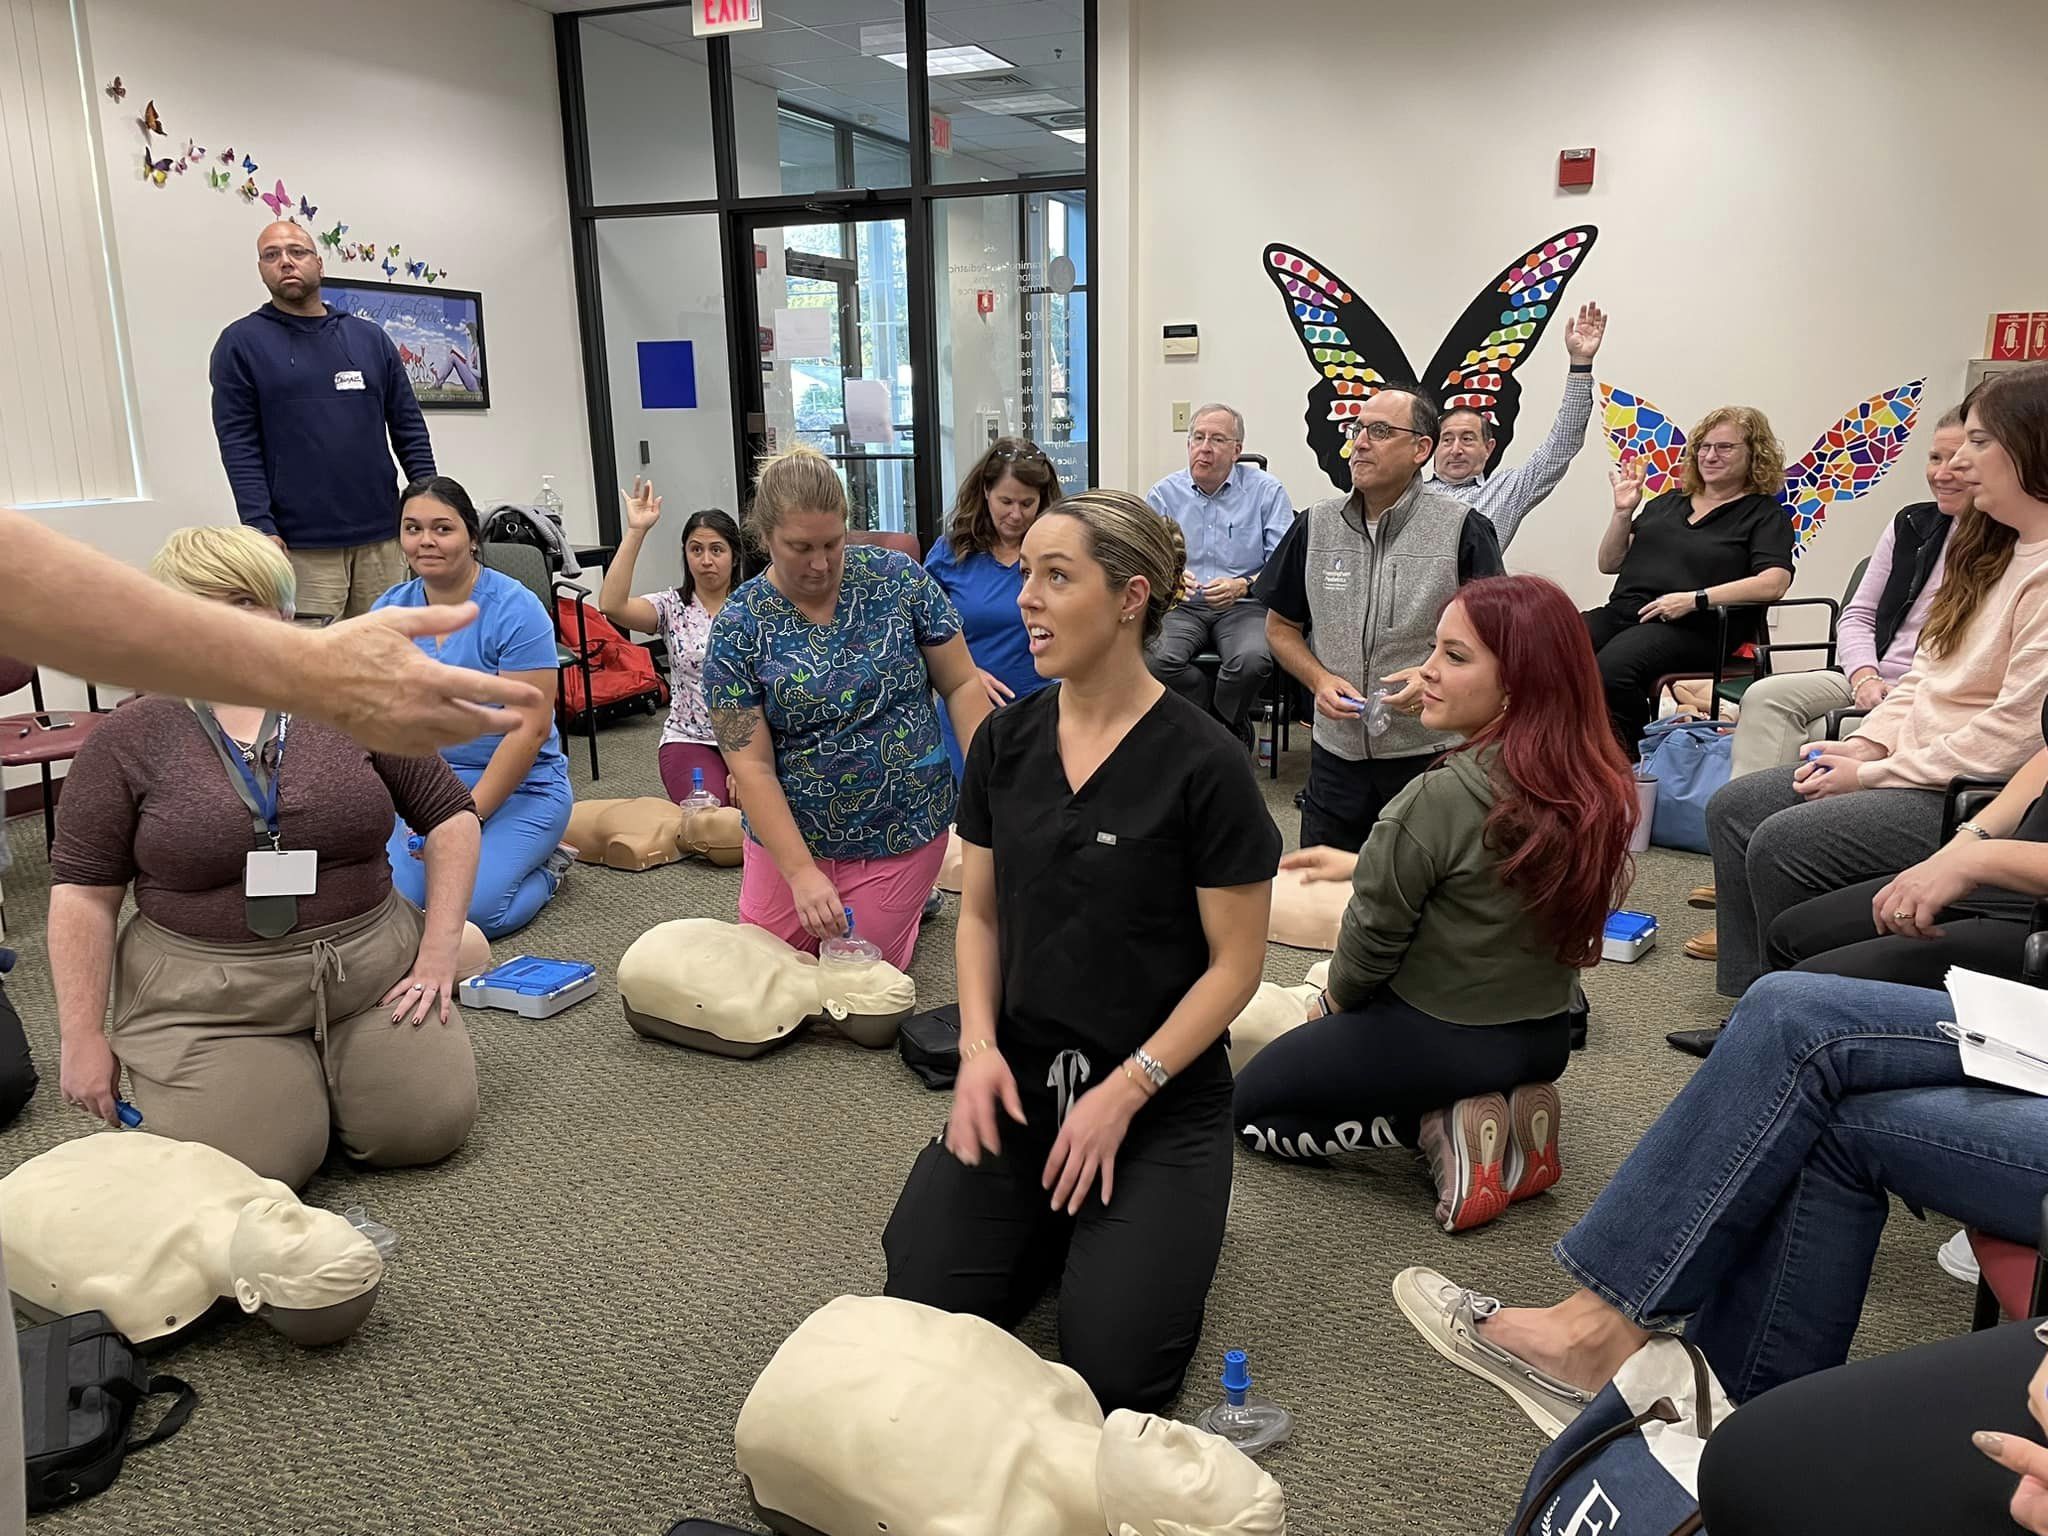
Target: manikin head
288, 261
1158, 1477
306, 1272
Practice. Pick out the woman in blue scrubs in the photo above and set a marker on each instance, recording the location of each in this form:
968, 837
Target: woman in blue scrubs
978, 562
520, 778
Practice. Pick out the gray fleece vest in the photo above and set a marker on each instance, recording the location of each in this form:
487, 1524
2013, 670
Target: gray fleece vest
1374, 602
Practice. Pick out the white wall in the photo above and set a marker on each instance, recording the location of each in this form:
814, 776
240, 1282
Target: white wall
1798, 207
437, 126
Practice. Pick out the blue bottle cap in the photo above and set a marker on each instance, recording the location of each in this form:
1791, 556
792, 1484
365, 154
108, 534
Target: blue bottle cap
127, 1113
849, 921
1237, 1375
696, 779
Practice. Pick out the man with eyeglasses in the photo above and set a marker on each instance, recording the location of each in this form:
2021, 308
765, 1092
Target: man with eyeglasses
1232, 517
308, 406
1368, 573
1465, 444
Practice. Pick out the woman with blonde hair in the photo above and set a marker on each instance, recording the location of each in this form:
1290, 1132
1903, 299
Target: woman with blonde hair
1117, 875
978, 560
1721, 539
819, 678
272, 985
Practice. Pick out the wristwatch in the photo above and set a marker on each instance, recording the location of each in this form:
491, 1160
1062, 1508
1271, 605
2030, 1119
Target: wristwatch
1151, 1067
1579, 368
1699, 598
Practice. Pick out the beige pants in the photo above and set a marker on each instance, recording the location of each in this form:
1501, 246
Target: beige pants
256, 1048
341, 583
1782, 713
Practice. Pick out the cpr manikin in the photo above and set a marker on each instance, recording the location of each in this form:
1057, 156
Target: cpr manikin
648, 831
1307, 913
152, 1232
737, 990
883, 1415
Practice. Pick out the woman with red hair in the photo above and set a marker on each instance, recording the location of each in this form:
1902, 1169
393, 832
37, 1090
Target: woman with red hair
1477, 899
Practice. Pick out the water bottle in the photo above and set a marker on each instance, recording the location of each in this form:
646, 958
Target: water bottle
848, 948
1377, 716
699, 798
1252, 1424
550, 500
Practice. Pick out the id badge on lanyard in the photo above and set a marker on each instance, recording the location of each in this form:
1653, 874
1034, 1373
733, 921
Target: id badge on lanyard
273, 879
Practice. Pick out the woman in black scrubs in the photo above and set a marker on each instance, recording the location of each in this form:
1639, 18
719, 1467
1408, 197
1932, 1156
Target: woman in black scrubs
1721, 539
1970, 904
1117, 879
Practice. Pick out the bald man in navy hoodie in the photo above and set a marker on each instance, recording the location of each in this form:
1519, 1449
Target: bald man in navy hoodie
309, 406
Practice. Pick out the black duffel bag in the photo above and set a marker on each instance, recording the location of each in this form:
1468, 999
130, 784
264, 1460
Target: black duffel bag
81, 1383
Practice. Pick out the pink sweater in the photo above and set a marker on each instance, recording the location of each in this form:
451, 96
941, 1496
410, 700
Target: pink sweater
1977, 711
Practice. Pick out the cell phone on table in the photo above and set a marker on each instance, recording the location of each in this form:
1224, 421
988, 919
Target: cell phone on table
50, 721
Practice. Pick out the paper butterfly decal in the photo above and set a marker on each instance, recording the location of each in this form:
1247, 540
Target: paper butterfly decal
250, 191
306, 209
392, 250
279, 202
350, 252
369, 251
389, 269
443, 272
415, 269
117, 90
218, 179
248, 165
178, 166
193, 153
158, 171
1845, 462
227, 157
150, 122
333, 236
1355, 352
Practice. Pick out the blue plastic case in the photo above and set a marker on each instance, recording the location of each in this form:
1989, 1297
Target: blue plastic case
531, 987
1628, 936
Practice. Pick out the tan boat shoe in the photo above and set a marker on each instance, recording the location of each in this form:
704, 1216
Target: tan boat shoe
1704, 946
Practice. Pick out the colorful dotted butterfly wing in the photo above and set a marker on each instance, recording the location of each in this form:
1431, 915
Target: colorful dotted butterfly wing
1637, 429
1849, 459
1347, 344
1474, 369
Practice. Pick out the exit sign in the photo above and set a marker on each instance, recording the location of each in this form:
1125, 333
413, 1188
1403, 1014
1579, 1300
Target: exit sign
711, 18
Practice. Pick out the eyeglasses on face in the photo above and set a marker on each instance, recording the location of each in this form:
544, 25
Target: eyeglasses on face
1211, 440
1719, 450
1377, 431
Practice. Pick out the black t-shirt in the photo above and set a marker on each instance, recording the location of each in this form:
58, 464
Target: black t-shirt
1283, 585
2033, 825
1745, 537
1097, 927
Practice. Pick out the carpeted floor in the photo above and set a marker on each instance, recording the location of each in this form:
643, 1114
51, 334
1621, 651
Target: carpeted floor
587, 1291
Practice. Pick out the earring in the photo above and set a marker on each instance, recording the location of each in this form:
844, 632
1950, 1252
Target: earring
1127, 618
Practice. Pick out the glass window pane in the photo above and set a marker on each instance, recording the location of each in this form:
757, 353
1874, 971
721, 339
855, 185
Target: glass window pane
809, 151
647, 107
880, 162
1012, 329
1009, 82
661, 285
837, 60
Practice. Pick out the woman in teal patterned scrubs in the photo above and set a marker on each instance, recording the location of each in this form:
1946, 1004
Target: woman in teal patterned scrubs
819, 679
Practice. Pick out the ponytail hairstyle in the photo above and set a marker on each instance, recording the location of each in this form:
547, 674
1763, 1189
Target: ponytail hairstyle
798, 479
1565, 800
1128, 540
718, 521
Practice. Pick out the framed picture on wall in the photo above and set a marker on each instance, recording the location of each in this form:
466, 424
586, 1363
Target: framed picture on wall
439, 333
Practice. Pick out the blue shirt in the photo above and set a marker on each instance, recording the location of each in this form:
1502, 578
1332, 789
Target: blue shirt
1232, 531
848, 703
512, 633
985, 591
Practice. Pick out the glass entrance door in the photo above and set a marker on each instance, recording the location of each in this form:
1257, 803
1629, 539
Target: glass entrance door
832, 324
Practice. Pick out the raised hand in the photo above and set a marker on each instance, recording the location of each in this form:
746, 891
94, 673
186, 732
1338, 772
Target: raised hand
1628, 479
643, 507
1583, 336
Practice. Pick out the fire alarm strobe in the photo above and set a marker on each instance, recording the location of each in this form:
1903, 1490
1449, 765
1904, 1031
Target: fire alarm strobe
1575, 168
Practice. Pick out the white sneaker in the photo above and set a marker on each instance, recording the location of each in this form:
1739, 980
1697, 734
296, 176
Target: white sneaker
1957, 1259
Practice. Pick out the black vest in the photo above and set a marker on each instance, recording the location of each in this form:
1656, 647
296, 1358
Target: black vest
1918, 534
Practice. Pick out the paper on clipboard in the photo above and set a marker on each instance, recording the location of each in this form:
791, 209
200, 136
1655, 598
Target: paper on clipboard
868, 411
2009, 1023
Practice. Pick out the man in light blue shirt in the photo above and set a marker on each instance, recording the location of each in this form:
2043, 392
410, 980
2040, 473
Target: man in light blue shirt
1233, 517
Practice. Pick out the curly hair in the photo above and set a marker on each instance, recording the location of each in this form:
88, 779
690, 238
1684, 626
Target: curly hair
1766, 454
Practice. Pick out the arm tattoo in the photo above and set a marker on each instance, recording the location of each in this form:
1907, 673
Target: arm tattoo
734, 728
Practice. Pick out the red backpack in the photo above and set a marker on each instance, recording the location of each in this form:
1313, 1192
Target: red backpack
622, 674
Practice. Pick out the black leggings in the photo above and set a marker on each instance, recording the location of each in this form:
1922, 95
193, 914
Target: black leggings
1835, 935
1880, 1445
1633, 655
1134, 1275
1366, 1078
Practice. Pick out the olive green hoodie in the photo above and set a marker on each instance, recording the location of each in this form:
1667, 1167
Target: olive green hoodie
1429, 916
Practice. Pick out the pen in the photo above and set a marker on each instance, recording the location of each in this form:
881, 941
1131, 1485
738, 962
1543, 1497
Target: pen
1995, 1047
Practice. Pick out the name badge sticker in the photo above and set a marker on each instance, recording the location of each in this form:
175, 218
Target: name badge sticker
1107, 839
268, 873
349, 378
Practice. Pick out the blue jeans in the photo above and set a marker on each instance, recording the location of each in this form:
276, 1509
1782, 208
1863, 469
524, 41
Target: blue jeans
512, 882
1753, 1205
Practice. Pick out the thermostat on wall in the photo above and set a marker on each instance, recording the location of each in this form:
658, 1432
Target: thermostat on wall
1181, 340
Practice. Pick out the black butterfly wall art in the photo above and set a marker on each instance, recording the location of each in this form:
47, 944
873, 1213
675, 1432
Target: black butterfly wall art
1356, 354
